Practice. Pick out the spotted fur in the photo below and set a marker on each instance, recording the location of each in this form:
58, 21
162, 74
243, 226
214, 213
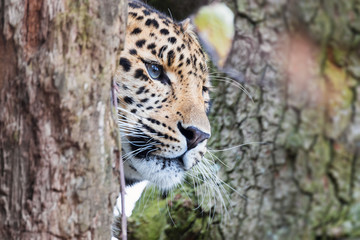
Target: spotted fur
163, 121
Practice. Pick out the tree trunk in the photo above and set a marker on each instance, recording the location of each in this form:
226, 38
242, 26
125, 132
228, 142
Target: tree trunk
301, 61
299, 167
57, 135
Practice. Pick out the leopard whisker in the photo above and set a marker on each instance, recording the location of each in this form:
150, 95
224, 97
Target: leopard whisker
213, 185
236, 84
134, 152
237, 146
147, 200
224, 183
147, 154
212, 155
126, 111
218, 75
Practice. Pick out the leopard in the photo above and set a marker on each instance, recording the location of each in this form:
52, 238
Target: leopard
162, 87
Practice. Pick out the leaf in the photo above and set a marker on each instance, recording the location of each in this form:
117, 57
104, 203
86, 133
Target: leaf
215, 27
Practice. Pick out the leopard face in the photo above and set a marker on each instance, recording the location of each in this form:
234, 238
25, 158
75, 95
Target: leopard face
162, 87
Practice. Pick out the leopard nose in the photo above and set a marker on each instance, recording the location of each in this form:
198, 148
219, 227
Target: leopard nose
193, 136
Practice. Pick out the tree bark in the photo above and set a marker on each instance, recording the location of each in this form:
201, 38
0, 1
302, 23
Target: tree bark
301, 62
57, 134
299, 167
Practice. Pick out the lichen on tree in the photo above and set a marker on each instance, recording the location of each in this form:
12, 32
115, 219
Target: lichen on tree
57, 135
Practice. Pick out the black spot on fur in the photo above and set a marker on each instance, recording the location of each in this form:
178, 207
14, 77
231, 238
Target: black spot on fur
133, 51
139, 73
152, 120
194, 60
146, 12
133, 14
172, 40
202, 68
170, 57
136, 31
128, 100
140, 90
140, 43
151, 46
202, 52
153, 131
164, 31
140, 18
125, 63
153, 22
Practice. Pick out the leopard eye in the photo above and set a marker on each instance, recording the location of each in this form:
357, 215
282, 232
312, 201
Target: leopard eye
155, 70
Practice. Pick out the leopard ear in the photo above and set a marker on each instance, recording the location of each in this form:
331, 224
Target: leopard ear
186, 25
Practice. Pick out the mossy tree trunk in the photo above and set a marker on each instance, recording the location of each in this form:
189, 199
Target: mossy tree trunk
300, 170
299, 166
57, 135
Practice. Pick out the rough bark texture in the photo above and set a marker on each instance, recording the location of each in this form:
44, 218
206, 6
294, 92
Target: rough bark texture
301, 176
302, 181
57, 135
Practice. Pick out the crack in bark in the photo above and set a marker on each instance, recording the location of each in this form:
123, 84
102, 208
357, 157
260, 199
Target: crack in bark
353, 173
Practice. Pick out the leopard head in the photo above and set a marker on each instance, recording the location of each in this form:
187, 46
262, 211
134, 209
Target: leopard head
162, 85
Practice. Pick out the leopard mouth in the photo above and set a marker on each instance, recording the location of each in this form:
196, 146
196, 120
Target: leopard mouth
150, 154
166, 161
164, 172
137, 143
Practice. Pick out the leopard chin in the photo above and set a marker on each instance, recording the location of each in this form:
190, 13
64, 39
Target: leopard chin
164, 172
